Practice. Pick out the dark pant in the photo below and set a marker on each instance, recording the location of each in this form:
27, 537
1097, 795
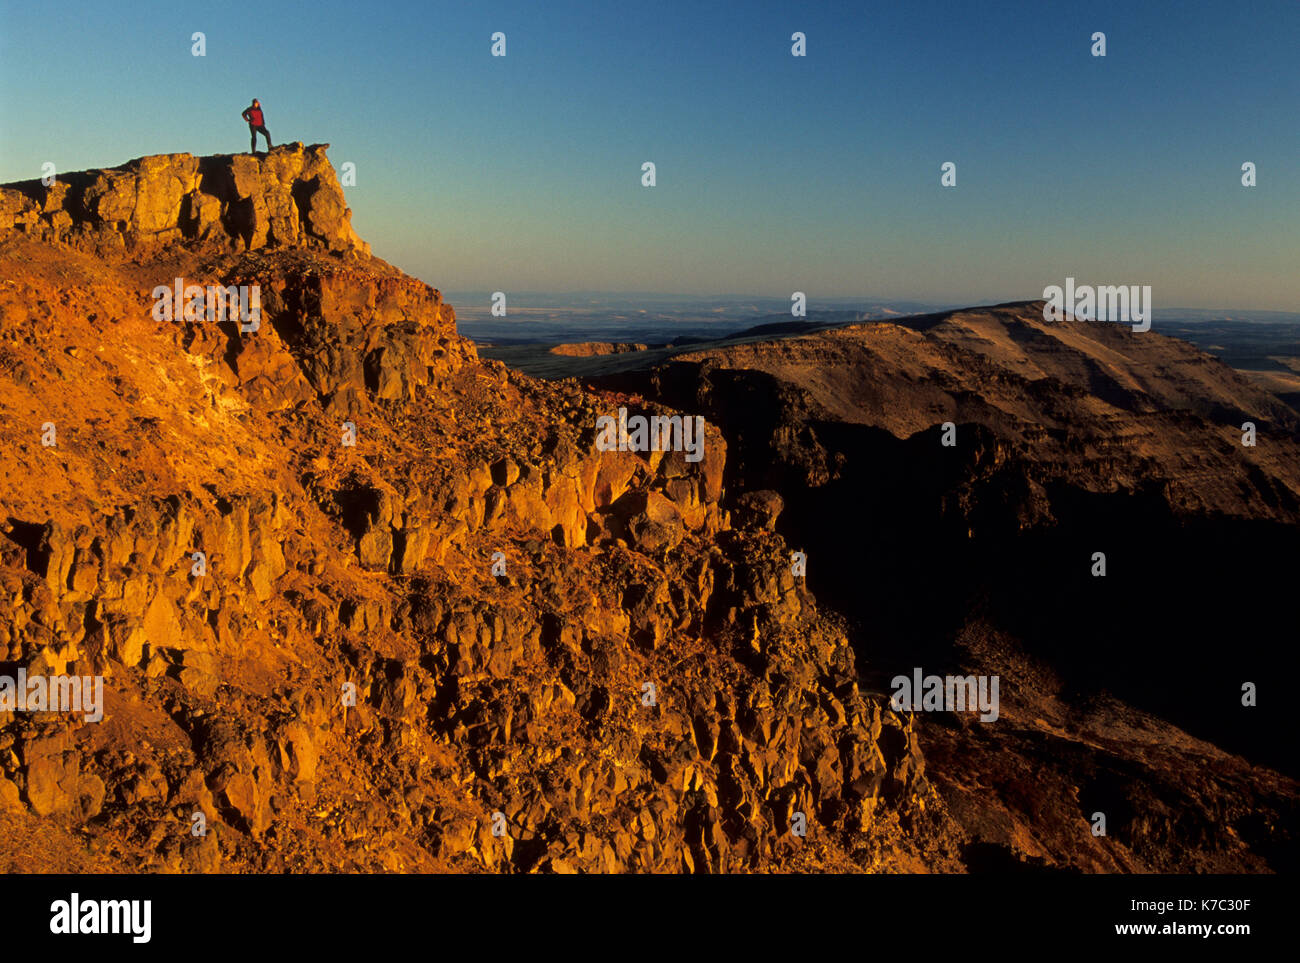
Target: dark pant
253, 132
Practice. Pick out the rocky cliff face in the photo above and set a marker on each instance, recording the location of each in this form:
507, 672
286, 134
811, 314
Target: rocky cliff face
365, 602
289, 197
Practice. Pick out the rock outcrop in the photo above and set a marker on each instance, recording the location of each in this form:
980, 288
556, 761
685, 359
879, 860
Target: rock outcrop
287, 197
587, 349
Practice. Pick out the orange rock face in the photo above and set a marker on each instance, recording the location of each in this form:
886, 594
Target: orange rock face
289, 197
359, 599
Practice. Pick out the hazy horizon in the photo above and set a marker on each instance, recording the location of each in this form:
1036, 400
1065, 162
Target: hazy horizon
775, 173
473, 306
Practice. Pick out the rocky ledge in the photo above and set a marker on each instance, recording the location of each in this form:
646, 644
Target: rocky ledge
289, 197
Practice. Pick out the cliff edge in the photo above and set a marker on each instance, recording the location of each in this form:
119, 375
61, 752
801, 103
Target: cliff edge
289, 197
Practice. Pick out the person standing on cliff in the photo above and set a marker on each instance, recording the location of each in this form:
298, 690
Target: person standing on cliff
253, 114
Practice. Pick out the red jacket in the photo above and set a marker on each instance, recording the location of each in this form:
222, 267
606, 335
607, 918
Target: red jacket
254, 116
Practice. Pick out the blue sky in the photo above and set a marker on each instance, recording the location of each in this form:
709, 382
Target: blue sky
775, 173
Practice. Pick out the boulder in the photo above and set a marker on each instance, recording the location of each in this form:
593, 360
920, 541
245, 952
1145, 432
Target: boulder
653, 524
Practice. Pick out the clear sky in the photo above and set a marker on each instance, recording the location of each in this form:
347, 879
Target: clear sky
775, 173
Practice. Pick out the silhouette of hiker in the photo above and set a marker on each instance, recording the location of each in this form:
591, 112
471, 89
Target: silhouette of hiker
253, 115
